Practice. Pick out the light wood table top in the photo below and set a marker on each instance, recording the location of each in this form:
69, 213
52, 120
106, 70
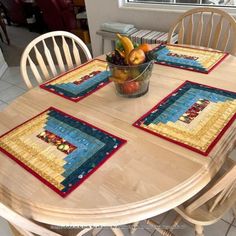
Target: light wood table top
146, 177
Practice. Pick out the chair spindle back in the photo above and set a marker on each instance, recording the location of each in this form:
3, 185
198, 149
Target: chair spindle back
214, 31
43, 59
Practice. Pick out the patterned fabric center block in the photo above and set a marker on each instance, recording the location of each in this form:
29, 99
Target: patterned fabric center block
80, 82
61, 150
194, 111
184, 57
59, 142
171, 54
194, 116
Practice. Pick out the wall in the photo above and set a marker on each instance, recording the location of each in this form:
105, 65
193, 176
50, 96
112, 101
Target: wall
100, 11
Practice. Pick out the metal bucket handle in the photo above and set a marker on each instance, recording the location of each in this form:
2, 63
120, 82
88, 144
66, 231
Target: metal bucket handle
149, 64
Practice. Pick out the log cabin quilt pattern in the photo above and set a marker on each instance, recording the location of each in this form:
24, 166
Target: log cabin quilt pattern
184, 57
59, 149
79, 82
194, 116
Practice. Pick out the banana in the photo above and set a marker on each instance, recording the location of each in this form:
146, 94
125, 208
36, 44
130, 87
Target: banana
122, 53
127, 44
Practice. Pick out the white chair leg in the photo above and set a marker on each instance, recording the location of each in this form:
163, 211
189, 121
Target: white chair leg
134, 227
234, 210
82, 232
117, 232
199, 230
96, 231
176, 221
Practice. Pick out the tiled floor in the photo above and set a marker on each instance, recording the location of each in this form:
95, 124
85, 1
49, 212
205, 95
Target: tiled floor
221, 228
12, 86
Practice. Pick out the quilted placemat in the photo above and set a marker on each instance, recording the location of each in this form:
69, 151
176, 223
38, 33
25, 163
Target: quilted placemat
194, 116
60, 150
80, 82
199, 60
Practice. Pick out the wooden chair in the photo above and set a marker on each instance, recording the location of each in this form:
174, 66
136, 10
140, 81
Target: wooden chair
21, 226
4, 29
46, 58
214, 31
210, 204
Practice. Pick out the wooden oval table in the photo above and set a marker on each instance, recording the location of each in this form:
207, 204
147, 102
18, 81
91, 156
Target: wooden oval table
146, 177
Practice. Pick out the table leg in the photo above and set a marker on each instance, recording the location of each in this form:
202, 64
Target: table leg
134, 227
199, 230
157, 227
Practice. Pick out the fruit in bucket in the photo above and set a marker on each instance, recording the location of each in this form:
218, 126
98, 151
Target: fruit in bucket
121, 74
130, 87
128, 53
129, 67
145, 47
127, 45
136, 57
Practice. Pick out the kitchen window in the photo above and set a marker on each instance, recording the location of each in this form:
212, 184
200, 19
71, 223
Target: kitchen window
217, 3
177, 5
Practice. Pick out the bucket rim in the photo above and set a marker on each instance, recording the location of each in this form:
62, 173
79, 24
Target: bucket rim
131, 66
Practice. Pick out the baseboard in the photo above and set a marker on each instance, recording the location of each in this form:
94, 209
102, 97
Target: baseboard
3, 68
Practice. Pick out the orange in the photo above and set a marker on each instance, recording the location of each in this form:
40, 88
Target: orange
145, 47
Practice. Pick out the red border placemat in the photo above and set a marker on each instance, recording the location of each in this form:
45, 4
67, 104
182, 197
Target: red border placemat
191, 69
210, 147
43, 86
50, 185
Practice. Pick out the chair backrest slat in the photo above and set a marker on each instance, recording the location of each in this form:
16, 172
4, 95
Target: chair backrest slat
209, 31
25, 76
41, 63
190, 31
76, 53
35, 70
49, 59
226, 37
229, 193
67, 53
58, 55
45, 58
181, 32
220, 197
217, 33
199, 30
221, 187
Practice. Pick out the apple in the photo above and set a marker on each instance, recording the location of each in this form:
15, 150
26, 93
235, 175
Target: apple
136, 57
130, 87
